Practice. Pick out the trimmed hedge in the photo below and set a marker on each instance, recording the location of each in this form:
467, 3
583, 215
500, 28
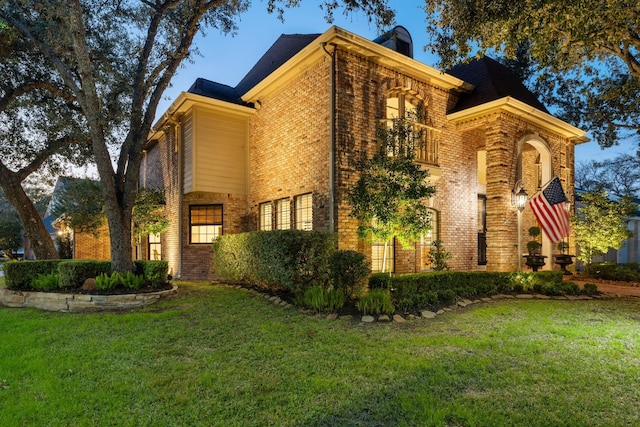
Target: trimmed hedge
291, 259
154, 272
73, 273
622, 272
21, 274
415, 291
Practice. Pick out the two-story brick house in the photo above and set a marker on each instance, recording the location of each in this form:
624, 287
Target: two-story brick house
278, 150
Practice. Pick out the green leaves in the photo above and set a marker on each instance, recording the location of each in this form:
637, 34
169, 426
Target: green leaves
389, 196
600, 223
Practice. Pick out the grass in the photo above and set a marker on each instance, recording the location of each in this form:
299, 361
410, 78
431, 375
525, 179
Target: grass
218, 356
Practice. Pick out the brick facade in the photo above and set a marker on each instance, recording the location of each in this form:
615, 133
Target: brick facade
305, 135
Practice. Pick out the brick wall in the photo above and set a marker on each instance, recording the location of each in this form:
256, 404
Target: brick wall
88, 246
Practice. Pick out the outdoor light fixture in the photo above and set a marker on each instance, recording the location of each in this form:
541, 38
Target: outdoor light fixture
521, 199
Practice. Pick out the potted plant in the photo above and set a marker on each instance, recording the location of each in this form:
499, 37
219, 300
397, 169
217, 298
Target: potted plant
563, 259
534, 260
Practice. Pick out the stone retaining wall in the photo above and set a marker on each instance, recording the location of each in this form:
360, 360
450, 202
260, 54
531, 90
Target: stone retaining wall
51, 301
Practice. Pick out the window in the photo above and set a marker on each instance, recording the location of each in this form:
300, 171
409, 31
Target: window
401, 105
205, 222
266, 211
283, 214
426, 241
304, 212
155, 247
381, 257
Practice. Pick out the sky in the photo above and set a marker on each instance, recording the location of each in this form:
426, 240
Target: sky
226, 59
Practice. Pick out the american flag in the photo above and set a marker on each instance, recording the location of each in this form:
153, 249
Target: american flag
550, 208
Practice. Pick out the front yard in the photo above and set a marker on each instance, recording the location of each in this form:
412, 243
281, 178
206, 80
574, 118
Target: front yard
216, 355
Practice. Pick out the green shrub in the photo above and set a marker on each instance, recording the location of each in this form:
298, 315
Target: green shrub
154, 272
590, 288
349, 271
46, 282
321, 300
108, 282
620, 272
21, 274
290, 259
376, 302
380, 281
131, 281
73, 273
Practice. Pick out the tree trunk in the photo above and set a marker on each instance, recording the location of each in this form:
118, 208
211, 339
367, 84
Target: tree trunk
32, 223
120, 238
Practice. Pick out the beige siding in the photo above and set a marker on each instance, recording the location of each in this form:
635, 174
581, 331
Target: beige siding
189, 152
219, 155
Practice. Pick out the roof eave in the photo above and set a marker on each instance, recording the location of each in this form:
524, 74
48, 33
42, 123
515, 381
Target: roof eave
185, 101
366, 48
525, 111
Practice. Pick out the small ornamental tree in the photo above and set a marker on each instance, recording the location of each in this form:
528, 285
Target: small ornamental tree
388, 198
10, 235
600, 224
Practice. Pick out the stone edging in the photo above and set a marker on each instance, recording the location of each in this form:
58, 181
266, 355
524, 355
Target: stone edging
426, 314
66, 302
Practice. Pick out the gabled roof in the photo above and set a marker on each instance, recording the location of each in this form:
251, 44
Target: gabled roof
215, 90
280, 52
492, 81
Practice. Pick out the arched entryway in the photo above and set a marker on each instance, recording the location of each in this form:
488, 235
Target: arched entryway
535, 169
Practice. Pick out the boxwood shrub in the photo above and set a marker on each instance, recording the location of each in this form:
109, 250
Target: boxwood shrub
21, 274
277, 259
415, 291
154, 272
73, 273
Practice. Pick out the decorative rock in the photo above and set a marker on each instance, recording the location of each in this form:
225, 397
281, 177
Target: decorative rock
399, 319
346, 318
467, 301
384, 318
462, 304
89, 285
368, 319
541, 296
485, 299
426, 314
476, 301
332, 316
441, 311
524, 296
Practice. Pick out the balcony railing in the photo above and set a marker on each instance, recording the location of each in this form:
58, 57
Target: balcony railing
428, 151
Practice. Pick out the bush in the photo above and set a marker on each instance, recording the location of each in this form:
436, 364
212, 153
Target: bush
73, 273
590, 289
131, 281
21, 274
321, 300
380, 281
348, 271
620, 272
289, 259
108, 282
46, 282
154, 272
376, 302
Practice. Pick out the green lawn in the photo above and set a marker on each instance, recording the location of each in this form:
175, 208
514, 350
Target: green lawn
218, 356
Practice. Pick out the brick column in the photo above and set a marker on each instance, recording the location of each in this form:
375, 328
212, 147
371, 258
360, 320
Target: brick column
501, 216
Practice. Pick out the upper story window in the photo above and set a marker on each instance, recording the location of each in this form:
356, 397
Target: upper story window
304, 212
205, 222
402, 105
283, 214
155, 247
265, 220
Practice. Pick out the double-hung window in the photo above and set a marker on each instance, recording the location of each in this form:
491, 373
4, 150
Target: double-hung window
205, 223
283, 214
266, 215
304, 212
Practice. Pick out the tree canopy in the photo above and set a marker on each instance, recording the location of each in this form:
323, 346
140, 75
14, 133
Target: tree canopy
600, 223
586, 53
113, 60
619, 176
388, 198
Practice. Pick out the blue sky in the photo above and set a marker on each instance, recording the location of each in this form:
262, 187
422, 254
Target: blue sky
226, 59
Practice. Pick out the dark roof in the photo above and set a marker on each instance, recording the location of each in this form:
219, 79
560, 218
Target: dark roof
215, 90
280, 52
492, 81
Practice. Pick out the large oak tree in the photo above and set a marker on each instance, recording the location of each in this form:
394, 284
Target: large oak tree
585, 53
116, 58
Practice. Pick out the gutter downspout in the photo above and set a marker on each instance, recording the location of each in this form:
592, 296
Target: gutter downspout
332, 132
